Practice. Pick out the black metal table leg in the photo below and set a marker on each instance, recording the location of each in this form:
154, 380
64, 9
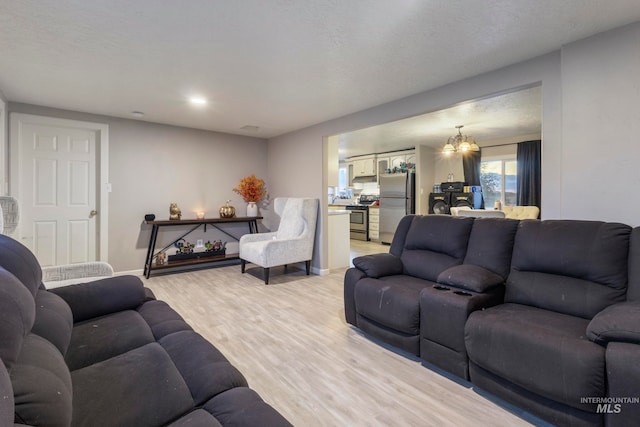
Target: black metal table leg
152, 246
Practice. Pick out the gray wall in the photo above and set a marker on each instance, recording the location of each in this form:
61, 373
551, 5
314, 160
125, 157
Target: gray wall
601, 127
4, 137
152, 165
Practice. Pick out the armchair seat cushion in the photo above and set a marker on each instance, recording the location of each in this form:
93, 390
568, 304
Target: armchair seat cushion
392, 301
542, 351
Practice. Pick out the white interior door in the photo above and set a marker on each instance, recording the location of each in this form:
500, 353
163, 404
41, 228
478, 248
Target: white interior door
54, 176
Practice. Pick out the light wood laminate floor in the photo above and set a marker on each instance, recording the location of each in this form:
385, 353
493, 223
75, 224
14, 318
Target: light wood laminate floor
291, 342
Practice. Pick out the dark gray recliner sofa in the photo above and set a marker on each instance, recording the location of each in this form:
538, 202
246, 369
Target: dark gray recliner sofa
545, 314
438, 270
107, 353
545, 349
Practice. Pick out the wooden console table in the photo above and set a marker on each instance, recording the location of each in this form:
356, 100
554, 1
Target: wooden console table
149, 265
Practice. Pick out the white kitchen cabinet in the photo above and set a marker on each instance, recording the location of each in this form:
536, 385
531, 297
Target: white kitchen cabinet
364, 167
374, 224
339, 244
382, 165
396, 159
410, 158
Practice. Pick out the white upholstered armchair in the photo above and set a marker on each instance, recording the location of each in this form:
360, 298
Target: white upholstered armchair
292, 243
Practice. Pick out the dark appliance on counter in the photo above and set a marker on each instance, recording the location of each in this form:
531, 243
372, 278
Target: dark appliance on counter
359, 217
397, 199
453, 187
439, 203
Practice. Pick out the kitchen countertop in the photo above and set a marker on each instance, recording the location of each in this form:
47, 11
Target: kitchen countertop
338, 211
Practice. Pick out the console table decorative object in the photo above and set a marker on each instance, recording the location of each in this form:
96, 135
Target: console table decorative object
149, 265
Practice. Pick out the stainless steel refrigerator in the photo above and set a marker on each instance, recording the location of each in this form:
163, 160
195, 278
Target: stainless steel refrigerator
397, 199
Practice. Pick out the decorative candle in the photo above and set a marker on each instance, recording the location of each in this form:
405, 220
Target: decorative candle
200, 215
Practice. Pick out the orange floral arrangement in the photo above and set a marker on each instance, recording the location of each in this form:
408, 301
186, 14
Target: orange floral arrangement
251, 189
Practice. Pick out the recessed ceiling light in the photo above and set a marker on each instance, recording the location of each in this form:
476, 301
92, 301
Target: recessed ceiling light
137, 114
197, 100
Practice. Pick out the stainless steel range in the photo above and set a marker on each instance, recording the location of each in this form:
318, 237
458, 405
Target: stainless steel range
359, 217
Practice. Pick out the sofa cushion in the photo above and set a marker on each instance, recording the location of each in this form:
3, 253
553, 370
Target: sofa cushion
204, 369
99, 339
17, 315
139, 388
197, 418
162, 319
568, 266
54, 321
470, 277
544, 352
491, 244
378, 265
21, 262
41, 384
435, 243
392, 301
242, 406
6, 397
619, 322
100, 297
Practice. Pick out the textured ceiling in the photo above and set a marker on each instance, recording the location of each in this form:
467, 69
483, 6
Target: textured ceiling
280, 65
490, 121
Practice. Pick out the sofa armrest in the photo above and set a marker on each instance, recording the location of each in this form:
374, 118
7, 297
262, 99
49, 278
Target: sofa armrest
101, 297
470, 277
619, 322
379, 265
257, 237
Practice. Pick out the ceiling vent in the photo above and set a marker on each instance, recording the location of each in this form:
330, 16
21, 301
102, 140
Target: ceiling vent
250, 128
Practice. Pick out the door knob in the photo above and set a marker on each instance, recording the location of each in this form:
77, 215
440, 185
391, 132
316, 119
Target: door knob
93, 213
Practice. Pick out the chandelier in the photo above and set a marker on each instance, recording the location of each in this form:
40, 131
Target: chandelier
460, 143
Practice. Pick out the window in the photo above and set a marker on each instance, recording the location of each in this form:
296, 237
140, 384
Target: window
499, 181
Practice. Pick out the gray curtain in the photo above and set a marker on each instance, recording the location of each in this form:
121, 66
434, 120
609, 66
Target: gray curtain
471, 167
529, 171
471, 162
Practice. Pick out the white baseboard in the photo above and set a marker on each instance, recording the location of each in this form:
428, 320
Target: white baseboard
320, 271
139, 272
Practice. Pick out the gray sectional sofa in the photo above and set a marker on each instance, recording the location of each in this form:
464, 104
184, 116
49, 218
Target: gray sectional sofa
107, 353
544, 314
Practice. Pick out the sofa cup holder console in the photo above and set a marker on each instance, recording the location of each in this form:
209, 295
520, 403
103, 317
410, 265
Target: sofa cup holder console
445, 288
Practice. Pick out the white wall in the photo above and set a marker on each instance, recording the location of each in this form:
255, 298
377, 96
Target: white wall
601, 127
153, 165
425, 177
